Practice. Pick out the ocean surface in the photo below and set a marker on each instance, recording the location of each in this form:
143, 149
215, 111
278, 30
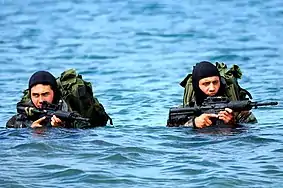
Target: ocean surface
135, 53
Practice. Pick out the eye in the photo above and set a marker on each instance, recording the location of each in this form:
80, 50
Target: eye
215, 82
35, 95
206, 83
45, 94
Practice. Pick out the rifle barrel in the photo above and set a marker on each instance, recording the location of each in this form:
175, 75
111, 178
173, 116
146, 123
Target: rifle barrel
266, 104
183, 109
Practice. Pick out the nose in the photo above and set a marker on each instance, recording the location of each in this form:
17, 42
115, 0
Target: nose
211, 87
41, 99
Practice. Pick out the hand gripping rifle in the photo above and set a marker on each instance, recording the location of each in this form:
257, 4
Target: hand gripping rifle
211, 105
49, 110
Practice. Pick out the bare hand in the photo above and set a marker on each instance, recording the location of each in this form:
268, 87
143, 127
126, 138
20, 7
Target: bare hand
55, 121
227, 116
204, 120
36, 123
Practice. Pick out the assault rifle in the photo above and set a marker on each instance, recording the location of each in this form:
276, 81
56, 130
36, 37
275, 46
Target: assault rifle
211, 105
49, 110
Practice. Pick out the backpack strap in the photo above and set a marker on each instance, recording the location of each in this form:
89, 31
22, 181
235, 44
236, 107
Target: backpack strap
189, 93
26, 96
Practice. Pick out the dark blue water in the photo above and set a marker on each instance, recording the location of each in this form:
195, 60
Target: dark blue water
135, 53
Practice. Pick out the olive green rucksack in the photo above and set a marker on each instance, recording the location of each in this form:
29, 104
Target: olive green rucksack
228, 76
78, 95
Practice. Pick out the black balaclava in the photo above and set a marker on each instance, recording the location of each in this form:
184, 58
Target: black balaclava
202, 70
45, 78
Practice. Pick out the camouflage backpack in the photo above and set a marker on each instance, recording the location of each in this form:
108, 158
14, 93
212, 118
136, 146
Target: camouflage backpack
78, 95
228, 76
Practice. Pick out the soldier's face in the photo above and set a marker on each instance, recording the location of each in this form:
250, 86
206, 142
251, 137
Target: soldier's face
210, 85
40, 93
